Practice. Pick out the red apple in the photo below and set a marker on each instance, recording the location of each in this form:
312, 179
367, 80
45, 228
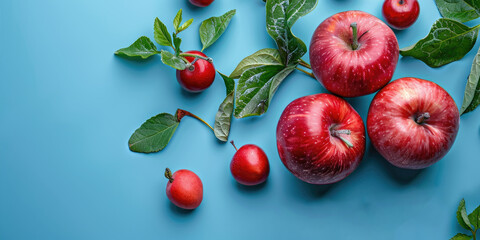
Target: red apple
197, 77
184, 188
412, 123
320, 138
400, 14
353, 53
249, 165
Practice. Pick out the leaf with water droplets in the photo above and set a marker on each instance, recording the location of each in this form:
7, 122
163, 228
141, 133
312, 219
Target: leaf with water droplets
223, 118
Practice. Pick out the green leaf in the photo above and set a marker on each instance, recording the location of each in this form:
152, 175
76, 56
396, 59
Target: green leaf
281, 15
471, 99
462, 216
161, 34
457, 10
472, 3
173, 61
212, 28
177, 20
154, 134
267, 56
176, 42
143, 48
448, 41
474, 218
254, 91
223, 118
185, 25
277, 80
461, 236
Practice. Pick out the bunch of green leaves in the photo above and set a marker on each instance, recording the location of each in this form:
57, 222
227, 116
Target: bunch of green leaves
154, 134
450, 40
470, 222
261, 73
210, 30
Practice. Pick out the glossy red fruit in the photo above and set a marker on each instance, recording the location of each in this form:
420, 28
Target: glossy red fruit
412, 123
184, 188
348, 69
201, 3
250, 165
320, 138
198, 79
400, 14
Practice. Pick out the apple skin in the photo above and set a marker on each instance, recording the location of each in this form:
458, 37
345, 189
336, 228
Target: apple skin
306, 143
200, 78
185, 190
352, 73
249, 165
396, 130
400, 14
201, 3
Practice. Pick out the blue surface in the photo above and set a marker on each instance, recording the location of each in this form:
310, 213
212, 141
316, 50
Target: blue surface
68, 107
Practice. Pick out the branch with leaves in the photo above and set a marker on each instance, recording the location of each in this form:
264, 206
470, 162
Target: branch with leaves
450, 40
155, 133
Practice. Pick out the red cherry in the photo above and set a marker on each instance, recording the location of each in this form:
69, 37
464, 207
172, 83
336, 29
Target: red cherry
201, 3
401, 14
198, 79
184, 188
250, 165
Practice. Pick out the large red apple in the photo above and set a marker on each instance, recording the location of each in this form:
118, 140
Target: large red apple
320, 138
412, 123
353, 53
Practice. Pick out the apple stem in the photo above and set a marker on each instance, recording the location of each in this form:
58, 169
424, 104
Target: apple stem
304, 64
354, 38
182, 113
338, 134
209, 59
234, 145
168, 175
308, 73
422, 117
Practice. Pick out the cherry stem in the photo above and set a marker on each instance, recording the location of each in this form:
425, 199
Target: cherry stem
422, 117
308, 73
168, 175
236, 149
401, 2
339, 133
182, 113
354, 38
209, 59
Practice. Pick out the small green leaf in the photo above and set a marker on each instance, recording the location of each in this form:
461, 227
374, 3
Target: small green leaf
474, 218
457, 10
161, 34
173, 61
281, 15
154, 134
461, 236
212, 28
229, 83
267, 56
254, 91
176, 42
462, 216
143, 48
223, 118
471, 99
448, 41
177, 20
185, 25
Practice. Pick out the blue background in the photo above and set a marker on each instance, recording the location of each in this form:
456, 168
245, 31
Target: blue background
68, 107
